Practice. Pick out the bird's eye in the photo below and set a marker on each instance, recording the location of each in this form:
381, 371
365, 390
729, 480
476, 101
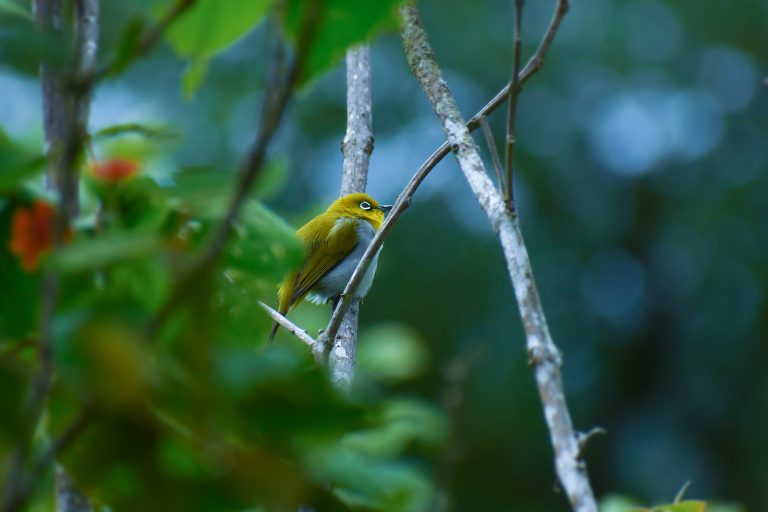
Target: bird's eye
365, 205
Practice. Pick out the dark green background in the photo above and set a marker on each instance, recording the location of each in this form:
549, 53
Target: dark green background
643, 195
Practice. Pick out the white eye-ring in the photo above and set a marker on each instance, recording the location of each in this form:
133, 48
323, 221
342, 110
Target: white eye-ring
365, 205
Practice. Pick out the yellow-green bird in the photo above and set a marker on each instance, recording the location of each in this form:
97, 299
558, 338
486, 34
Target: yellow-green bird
334, 242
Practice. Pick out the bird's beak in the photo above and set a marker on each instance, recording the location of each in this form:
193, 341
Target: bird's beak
384, 207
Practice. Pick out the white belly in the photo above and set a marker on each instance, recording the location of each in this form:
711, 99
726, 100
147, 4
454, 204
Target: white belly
334, 282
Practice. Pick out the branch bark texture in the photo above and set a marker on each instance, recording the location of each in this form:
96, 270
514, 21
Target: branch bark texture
357, 148
65, 120
545, 358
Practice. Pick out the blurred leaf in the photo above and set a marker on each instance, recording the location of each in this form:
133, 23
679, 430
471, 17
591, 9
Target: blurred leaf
613, 503
107, 249
212, 25
143, 130
400, 423
271, 179
17, 164
207, 29
342, 23
108, 362
24, 48
16, 9
19, 303
391, 352
683, 506
206, 192
135, 463
264, 244
193, 76
126, 45
724, 507
13, 386
369, 483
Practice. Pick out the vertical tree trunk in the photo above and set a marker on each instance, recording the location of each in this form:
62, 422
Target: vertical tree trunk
65, 125
68, 498
357, 148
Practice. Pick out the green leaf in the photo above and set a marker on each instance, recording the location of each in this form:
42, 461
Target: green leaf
19, 309
683, 506
104, 250
206, 192
17, 165
210, 27
369, 483
15, 9
13, 385
264, 244
391, 353
399, 423
108, 362
25, 48
142, 130
193, 76
342, 23
126, 46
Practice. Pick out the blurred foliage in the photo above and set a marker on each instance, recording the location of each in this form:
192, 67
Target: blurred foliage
195, 413
641, 185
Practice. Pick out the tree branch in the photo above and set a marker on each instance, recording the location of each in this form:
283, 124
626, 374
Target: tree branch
544, 356
509, 197
294, 329
65, 119
357, 148
493, 151
403, 201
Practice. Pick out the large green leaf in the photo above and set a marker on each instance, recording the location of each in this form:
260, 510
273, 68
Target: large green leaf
87, 254
264, 244
14, 8
210, 27
17, 164
341, 24
24, 47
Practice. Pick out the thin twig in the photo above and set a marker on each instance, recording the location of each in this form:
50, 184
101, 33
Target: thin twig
509, 159
63, 440
22, 492
534, 64
494, 152
545, 358
294, 329
356, 148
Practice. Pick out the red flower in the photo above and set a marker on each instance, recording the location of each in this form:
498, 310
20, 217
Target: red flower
31, 233
115, 170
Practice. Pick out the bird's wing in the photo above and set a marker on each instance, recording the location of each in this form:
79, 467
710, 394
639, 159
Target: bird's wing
326, 247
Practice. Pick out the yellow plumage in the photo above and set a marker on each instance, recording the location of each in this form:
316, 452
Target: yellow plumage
334, 242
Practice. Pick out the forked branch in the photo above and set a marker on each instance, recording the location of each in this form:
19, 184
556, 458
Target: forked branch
545, 358
534, 64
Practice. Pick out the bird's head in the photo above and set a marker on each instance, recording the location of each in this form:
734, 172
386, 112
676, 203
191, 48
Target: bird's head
360, 206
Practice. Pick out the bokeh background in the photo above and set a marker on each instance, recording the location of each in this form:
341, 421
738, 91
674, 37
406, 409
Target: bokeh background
642, 188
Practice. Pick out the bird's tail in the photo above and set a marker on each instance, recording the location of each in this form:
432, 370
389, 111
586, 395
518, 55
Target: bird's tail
272, 333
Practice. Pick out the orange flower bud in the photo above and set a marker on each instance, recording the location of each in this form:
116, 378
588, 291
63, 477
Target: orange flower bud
115, 169
31, 233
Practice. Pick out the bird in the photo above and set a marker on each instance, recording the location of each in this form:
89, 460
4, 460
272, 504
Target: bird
334, 242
